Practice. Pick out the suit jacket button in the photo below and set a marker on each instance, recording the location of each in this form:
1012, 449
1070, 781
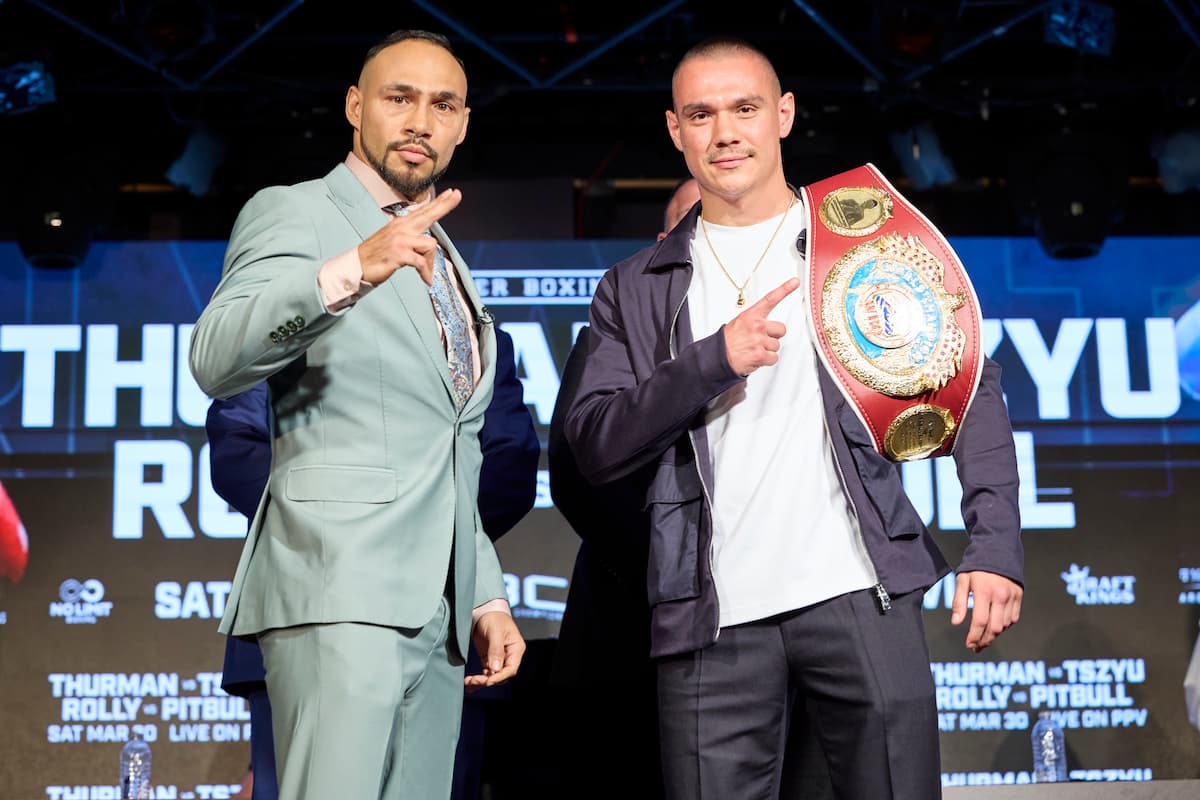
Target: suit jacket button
274, 337
299, 320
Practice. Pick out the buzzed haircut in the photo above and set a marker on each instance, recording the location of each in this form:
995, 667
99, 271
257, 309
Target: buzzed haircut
396, 37
726, 46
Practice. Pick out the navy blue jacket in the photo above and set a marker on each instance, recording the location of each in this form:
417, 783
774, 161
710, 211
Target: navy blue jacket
240, 456
640, 404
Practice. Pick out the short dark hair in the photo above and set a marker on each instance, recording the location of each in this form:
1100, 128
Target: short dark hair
396, 37
724, 46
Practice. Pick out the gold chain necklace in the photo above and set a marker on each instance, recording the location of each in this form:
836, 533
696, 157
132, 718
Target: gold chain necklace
741, 290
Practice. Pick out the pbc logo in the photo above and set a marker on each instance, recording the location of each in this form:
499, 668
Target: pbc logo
1090, 590
81, 602
527, 597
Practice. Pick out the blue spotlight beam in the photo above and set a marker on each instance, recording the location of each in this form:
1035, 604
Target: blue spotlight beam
109, 43
462, 30
613, 42
994, 33
842, 41
251, 39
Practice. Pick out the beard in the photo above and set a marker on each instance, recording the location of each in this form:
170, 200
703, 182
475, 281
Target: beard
406, 181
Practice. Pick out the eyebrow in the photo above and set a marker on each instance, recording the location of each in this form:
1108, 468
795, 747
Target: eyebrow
405, 88
753, 99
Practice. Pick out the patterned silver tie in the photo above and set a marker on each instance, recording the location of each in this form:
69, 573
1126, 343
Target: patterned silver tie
454, 324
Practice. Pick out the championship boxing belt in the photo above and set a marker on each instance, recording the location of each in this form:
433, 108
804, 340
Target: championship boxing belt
894, 312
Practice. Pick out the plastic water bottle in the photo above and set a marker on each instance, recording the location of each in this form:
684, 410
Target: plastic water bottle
135, 770
1049, 750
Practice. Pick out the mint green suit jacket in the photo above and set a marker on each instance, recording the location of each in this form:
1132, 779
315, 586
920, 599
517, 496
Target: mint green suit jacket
375, 475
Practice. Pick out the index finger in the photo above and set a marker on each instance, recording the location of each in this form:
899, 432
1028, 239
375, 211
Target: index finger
773, 297
979, 624
435, 209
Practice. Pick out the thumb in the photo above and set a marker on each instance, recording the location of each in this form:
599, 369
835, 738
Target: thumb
495, 655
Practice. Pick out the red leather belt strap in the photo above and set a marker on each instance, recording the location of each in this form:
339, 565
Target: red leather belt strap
894, 313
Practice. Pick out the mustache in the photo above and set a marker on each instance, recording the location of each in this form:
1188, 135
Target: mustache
743, 152
419, 143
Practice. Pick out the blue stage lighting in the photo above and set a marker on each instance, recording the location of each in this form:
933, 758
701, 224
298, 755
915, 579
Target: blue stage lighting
194, 169
920, 154
1178, 157
1081, 25
25, 86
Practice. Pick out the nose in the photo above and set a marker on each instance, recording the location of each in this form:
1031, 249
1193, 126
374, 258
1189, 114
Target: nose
419, 124
725, 131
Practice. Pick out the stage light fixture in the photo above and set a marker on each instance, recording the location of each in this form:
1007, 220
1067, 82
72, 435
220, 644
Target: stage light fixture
920, 154
1081, 25
1178, 156
1074, 205
54, 237
202, 154
25, 86
1069, 187
914, 31
172, 30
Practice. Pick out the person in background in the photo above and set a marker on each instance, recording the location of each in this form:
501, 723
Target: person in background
366, 570
610, 709
785, 561
686, 195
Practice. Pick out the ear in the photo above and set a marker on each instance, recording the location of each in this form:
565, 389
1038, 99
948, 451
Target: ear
354, 107
463, 133
787, 114
673, 129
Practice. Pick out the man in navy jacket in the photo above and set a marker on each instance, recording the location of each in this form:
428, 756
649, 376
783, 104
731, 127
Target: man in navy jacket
240, 456
785, 561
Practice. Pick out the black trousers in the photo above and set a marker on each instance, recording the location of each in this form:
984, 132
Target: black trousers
726, 711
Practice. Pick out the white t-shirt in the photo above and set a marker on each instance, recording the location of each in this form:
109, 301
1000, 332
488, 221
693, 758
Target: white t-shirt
784, 534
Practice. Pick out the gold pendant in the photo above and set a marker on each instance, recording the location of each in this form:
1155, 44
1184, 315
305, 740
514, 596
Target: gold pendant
741, 301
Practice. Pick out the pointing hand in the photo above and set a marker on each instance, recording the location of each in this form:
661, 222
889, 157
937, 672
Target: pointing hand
405, 241
752, 340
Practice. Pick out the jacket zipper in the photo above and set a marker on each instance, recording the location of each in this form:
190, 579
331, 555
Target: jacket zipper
700, 472
885, 600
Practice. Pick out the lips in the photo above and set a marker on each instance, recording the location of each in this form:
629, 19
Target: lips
414, 155
730, 160
415, 152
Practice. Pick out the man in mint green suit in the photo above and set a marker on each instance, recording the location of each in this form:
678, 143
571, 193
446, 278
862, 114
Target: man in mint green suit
366, 569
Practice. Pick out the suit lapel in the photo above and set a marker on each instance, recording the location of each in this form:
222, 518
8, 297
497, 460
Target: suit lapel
354, 201
360, 210
414, 295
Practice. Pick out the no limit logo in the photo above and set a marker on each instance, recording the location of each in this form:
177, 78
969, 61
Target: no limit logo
81, 602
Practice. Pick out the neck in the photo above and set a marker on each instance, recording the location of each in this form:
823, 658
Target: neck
747, 209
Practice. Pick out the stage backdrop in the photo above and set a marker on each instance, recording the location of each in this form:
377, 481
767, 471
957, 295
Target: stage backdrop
110, 629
